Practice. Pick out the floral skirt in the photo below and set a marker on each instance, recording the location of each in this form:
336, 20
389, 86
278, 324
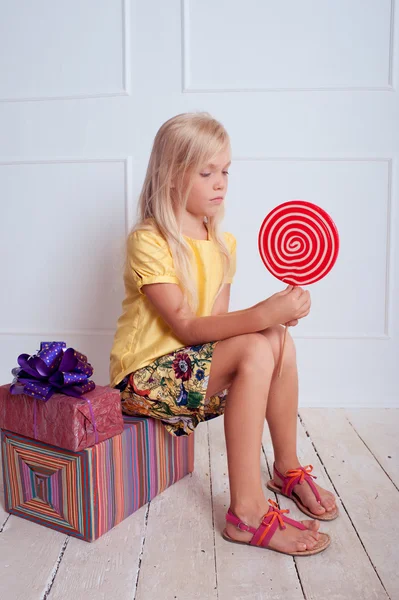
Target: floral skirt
172, 388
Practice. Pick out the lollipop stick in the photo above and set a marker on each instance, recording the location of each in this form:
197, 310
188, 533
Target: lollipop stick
280, 365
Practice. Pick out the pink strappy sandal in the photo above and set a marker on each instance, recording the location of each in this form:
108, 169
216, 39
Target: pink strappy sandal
270, 521
290, 479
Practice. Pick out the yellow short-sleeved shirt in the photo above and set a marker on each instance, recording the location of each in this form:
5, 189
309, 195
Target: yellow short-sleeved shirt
142, 335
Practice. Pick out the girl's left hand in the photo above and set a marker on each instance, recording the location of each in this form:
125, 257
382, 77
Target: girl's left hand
292, 323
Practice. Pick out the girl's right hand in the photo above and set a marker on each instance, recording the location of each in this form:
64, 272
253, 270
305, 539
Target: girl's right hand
289, 305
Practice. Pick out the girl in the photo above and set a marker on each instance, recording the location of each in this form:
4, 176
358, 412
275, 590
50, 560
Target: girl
181, 357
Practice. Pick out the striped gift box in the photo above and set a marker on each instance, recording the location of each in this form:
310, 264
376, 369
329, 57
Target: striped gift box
86, 493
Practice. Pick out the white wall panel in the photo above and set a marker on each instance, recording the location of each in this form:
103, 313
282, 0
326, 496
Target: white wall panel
63, 49
352, 301
62, 232
313, 44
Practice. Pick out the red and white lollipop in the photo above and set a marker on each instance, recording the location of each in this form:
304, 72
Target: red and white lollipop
298, 243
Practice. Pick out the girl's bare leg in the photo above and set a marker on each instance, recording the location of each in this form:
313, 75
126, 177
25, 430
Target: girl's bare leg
244, 416
243, 425
281, 415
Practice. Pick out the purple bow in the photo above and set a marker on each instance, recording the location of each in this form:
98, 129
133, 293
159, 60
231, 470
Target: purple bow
54, 369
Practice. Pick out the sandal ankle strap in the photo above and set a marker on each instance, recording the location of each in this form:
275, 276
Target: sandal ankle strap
234, 520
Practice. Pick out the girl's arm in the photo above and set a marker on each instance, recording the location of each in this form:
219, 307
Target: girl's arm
221, 305
167, 298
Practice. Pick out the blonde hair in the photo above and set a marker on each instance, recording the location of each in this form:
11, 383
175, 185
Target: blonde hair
182, 145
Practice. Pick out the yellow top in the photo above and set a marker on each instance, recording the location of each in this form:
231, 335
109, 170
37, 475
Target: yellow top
142, 335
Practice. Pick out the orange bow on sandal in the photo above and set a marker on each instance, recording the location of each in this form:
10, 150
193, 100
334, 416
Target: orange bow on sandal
290, 480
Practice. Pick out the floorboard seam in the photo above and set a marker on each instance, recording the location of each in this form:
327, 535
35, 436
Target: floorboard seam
5, 522
372, 453
55, 571
213, 516
276, 500
343, 505
141, 549
299, 578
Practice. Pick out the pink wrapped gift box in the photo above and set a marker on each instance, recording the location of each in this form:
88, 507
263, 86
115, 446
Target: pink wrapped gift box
63, 421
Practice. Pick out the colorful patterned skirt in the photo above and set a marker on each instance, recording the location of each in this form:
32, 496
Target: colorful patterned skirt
172, 388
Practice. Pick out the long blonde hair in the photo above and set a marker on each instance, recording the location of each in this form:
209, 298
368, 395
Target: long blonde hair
181, 146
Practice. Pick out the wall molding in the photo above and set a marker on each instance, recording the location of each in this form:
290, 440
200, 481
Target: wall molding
126, 70
128, 187
54, 335
332, 336
373, 400
386, 159
127, 162
392, 46
188, 89
388, 292
77, 332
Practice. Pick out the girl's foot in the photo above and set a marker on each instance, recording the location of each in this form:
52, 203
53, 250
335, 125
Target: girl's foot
286, 540
306, 494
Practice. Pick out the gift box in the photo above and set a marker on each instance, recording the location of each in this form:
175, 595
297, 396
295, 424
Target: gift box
65, 421
86, 493
52, 399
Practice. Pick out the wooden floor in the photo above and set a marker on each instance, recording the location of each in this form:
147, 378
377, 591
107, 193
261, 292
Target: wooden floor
172, 548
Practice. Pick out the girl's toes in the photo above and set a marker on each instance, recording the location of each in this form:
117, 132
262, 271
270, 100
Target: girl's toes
310, 542
329, 504
316, 508
300, 547
313, 525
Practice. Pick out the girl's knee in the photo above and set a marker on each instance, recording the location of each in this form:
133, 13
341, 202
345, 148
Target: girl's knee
256, 352
275, 336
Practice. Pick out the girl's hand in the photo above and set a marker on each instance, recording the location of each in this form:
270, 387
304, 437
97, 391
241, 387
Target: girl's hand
292, 323
287, 306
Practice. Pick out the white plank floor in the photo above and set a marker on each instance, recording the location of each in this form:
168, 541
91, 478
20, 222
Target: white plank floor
172, 547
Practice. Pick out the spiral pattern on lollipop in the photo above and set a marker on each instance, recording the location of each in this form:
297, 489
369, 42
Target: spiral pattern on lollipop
298, 242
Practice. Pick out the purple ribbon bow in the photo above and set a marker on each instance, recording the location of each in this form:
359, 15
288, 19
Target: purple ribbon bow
54, 370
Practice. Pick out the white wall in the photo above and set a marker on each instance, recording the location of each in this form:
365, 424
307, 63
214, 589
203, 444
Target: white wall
308, 94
